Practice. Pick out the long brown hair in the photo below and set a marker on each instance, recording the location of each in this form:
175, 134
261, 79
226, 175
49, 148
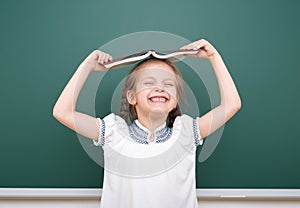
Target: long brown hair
128, 112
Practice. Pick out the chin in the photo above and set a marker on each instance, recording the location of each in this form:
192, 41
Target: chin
158, 113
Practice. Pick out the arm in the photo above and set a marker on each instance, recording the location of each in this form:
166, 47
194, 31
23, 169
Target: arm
230, 99
65, 108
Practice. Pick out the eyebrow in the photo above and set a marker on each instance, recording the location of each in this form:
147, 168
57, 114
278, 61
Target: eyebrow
153, 78
148, 78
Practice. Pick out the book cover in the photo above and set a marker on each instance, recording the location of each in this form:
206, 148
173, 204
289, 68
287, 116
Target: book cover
172, 55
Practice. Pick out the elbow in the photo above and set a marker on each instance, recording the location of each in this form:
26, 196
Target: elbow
233, 107
237, 105
64, 116
57, 113
232, 110
60, 116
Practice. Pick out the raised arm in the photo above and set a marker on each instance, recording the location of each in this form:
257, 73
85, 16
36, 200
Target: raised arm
230, 99
65, 108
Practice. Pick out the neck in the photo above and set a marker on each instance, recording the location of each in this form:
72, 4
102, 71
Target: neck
152, 122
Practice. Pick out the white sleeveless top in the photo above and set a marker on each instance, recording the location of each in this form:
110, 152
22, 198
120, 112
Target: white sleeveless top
143, 174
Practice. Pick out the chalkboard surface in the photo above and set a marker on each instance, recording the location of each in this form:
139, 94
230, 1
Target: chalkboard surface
43, 42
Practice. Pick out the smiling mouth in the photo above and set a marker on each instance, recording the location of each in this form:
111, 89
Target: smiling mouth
158, 99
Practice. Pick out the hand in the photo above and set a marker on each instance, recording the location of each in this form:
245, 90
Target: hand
96, 60
207, 51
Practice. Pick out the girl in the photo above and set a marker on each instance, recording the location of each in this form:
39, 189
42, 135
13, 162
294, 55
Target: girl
151, 162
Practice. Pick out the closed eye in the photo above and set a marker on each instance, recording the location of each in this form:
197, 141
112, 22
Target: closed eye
148, 83
169, 84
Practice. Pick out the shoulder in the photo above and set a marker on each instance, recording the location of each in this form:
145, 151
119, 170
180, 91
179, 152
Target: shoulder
188, 126
110, 125
184, 121
113, 119
114, 123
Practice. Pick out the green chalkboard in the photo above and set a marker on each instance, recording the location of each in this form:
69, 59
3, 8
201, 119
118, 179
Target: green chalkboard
43, 42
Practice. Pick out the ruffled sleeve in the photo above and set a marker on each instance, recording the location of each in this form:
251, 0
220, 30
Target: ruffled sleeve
196, 132
106, 129
189, 127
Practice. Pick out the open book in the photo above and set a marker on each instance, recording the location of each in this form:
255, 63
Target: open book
173, 56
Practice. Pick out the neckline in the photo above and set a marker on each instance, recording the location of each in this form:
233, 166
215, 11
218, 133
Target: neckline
141, 126
141, 134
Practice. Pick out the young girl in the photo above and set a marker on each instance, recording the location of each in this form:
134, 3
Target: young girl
149, 162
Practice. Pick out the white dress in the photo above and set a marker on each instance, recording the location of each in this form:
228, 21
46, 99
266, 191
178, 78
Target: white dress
143, 174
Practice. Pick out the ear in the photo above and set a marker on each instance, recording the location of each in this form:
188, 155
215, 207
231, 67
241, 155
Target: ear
131, 97
175, 106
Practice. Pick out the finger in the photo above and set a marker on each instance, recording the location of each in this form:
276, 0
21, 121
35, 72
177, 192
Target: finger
188, 47
183, 47
196, 45
101, 58
108, 58
105, 57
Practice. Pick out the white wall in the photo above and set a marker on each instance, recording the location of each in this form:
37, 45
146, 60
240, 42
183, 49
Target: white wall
49, 203
90, 198
94, 203
238, 203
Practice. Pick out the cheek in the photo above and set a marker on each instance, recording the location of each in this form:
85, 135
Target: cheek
142, 95
143, 89
172, 92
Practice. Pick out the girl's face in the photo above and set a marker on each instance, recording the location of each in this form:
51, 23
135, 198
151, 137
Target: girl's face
155, 90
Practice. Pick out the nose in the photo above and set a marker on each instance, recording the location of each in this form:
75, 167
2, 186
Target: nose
159, 89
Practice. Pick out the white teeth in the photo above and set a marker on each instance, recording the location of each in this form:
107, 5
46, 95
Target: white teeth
158, 99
